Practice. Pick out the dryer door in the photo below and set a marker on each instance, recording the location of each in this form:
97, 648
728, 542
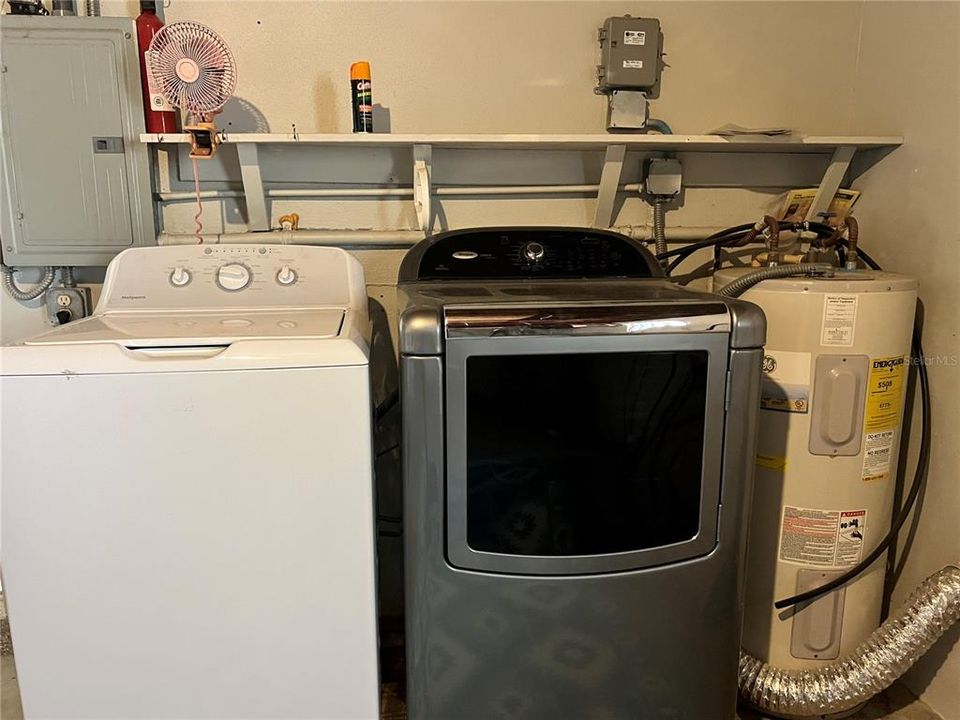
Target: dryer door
578, 454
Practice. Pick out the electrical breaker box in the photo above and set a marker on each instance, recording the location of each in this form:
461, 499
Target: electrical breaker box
630, 51
76, 179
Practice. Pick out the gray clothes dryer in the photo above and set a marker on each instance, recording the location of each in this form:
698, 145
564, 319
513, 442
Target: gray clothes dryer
578, 449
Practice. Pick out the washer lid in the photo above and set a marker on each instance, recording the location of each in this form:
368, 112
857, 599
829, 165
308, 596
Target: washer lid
191, 329
527, 253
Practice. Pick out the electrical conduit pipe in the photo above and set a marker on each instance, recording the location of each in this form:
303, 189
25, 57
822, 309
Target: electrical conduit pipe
387, 238
46, 281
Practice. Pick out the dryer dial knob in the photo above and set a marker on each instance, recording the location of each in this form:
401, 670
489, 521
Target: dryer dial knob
180, 277
233, 276
287, 275
533, 252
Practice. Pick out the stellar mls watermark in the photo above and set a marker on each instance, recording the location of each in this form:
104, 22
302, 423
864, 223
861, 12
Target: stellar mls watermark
936, 360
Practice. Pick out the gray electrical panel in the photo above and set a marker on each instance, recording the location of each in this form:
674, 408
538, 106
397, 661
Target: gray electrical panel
76, 179
630, 51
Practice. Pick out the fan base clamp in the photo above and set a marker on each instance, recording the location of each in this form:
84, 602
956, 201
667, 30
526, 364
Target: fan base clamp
204, 139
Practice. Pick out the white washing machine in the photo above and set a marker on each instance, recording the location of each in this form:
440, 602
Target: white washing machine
187, 499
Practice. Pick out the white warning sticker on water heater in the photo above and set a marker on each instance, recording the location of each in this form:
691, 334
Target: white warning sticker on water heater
822, 538
839, 320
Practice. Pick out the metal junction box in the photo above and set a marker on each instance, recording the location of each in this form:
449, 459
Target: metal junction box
76, 179
630, 54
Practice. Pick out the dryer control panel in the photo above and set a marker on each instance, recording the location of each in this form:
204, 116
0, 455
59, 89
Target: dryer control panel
221, 277
528, 253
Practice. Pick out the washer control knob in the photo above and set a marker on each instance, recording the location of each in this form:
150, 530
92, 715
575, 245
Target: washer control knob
233, 276
286, 275
533, 252
180, 277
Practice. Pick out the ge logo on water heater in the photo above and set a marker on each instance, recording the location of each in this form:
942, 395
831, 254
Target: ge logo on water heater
769, 363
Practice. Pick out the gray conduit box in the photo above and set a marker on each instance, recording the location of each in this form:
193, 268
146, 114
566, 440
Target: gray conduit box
629, 71
76, 179
630, 51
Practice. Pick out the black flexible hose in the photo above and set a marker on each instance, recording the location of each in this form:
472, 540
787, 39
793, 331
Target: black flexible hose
731, 236
919, 477
732, 239
708, 241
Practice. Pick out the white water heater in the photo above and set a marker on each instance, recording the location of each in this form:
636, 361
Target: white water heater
834, 380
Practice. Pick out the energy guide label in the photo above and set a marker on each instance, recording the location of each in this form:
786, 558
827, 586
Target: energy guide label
824, 538
882, 415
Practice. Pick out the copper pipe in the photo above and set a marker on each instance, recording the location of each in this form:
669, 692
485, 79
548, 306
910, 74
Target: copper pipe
853, 234
773, 242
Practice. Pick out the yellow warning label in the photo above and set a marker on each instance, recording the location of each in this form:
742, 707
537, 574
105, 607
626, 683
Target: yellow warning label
771, 462
884, 393
884, 400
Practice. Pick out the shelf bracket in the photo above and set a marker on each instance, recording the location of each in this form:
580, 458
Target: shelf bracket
832, 178
256, 200
422, 167
162, 155
609, 182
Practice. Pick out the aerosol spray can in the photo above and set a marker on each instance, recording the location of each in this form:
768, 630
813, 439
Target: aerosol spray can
362, 97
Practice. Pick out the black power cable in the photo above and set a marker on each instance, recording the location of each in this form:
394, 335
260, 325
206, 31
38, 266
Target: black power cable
714, 241
919, 478
709, 241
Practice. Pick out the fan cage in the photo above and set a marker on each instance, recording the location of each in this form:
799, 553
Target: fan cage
201, 51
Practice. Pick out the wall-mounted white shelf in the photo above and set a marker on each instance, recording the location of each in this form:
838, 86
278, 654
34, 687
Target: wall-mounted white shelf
665, 143
841, 149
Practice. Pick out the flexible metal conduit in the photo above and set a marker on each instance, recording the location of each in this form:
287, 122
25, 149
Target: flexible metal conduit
873, 666
744, 283
386, 238
46, 280
660, 225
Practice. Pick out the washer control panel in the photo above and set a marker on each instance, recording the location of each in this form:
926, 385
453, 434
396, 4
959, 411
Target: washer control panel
228, 276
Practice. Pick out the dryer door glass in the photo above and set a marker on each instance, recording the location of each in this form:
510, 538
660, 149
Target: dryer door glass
584, 454
601, 458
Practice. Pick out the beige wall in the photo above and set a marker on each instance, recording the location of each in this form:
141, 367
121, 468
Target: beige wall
520, 67
908, 81
530, 66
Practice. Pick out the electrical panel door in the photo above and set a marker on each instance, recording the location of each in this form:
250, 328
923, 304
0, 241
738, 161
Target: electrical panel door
76, 177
